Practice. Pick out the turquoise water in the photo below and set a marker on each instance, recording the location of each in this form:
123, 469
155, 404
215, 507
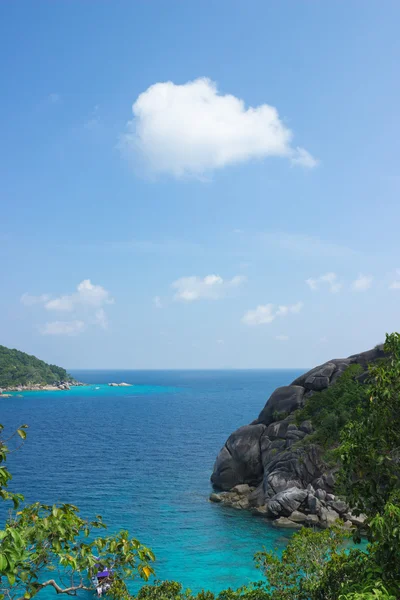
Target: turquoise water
142, 457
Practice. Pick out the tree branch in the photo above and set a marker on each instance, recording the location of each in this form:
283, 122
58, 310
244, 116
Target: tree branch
71, 591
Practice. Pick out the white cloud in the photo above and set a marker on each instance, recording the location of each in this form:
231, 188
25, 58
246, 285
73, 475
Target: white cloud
395, 284
85, 305
100, 318
266, 313
303, 158
63, 328
220, 342
329, 279
362, 283
282, 338
157, 302
212, 287
87, 295
191, 129
29, 300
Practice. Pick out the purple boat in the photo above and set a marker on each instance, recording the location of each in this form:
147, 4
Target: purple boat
101, 579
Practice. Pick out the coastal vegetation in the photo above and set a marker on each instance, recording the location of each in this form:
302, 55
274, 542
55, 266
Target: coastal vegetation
331, 409
53, 547
21, 369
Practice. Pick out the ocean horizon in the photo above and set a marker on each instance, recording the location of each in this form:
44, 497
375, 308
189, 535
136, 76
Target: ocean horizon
142, 457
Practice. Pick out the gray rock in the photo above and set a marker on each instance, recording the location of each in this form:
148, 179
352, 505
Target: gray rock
257, 496
286, 502
306, 426
339, 506
311, 521
286, 523
243, 503
277, 430
240, 459
314, 505
215, 498
267, 454
242, 488
328, 517
357, 521
261, 511
298, 517
320, 494
329, 480
284, 400
316, 383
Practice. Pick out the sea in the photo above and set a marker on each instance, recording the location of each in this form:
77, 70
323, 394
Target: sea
142, 457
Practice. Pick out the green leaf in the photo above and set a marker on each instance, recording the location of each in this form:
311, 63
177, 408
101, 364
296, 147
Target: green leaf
21, 433
3, 563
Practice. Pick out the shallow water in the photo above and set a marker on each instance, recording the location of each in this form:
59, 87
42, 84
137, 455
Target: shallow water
142, 457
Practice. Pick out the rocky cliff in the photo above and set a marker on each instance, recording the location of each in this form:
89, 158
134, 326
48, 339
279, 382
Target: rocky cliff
262, 467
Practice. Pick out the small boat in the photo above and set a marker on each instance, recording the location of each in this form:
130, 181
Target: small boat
101, 579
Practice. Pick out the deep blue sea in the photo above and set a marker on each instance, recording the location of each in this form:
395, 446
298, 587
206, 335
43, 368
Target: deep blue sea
142, 457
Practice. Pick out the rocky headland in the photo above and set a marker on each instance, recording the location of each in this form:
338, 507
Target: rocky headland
267, 468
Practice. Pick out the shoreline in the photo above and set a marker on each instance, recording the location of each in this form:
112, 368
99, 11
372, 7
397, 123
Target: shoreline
41, 388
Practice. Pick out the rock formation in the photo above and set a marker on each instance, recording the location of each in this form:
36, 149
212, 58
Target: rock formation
261, 467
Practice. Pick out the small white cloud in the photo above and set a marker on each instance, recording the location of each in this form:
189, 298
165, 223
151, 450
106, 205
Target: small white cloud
212, 287
86, 306
157, 302
100, 318
329, 279
282, 338
220, 342
395, 284
63, 328
362, 283
29, 300
303, 158
192, 129
87, 295
266, 313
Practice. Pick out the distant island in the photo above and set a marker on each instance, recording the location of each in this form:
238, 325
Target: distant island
20, 371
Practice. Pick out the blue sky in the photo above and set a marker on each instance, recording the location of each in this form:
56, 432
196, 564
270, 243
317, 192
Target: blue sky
199, 184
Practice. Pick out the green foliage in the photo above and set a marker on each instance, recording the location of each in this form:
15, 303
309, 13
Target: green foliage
171, 590
18, 368
41, 540
52, 546
370, 449
296, 575
330, 410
